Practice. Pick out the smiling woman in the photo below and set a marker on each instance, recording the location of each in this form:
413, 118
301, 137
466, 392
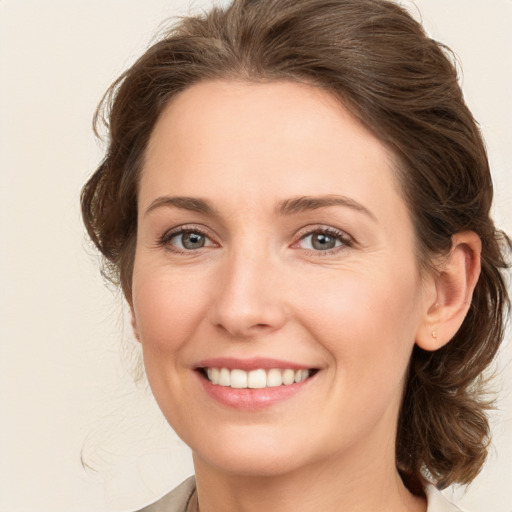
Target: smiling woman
296, 203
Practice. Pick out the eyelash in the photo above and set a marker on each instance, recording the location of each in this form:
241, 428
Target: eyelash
346, 240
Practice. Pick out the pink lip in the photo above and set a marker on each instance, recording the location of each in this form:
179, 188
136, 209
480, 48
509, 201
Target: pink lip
251, 399
255, 363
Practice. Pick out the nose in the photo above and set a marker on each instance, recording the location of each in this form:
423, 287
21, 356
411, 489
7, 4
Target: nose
247, 301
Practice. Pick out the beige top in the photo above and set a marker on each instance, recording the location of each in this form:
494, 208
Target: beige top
184, 499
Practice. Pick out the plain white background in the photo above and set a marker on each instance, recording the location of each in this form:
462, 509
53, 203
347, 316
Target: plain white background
66, 349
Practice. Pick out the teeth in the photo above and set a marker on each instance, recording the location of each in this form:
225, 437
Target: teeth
274, 378
224, 377
301, 375
238, 379
213, 375
255, 379
288, 377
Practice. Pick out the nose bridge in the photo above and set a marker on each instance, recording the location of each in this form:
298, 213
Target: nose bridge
247, 298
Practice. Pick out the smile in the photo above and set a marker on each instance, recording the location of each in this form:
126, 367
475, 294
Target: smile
255, 379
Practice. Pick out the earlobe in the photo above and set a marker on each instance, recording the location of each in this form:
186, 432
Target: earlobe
451, 291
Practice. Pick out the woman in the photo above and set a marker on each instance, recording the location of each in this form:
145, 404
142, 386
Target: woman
295, 201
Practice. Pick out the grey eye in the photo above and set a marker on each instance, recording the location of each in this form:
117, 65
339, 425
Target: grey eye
191, 240
186, 240
323, 241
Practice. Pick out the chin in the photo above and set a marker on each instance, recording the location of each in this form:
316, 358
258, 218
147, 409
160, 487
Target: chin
256, 458
250, 465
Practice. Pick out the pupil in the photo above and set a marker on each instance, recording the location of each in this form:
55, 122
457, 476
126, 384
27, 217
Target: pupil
193, 240
323, 242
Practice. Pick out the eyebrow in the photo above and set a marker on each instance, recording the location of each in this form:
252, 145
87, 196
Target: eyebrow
192, 204
306, 203
287, 207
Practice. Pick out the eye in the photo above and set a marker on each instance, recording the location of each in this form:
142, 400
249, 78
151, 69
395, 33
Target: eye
324, 239
189, 240
186, 240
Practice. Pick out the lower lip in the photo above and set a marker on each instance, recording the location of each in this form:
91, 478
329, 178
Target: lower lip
252, 399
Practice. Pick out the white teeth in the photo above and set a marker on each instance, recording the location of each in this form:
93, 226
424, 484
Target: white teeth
238, 379
213, 375
255, 379
274, 378
288, 377
301, 375
224, 377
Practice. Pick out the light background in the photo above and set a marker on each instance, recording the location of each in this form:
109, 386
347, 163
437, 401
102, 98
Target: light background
65, 344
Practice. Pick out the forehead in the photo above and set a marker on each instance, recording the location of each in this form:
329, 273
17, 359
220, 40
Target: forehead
253, 141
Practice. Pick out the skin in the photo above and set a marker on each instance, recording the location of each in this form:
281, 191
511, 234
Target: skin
260, 288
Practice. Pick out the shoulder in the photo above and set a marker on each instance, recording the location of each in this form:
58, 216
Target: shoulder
175, 501
437, 502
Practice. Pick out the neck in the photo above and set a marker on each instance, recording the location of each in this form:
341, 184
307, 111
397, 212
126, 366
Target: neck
354, 484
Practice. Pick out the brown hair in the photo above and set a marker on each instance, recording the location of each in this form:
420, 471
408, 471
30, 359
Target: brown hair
402, 85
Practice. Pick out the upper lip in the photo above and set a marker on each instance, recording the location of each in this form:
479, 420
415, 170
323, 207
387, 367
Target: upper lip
254, 363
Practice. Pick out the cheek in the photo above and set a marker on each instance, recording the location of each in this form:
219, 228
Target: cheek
167, 310
367, 322
167, 306
367, 326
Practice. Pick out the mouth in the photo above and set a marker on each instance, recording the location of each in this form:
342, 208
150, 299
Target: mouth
260, 378
253, 384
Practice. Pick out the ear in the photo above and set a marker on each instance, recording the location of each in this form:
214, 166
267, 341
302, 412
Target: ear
449, 291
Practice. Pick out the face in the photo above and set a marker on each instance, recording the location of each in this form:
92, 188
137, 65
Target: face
273, 247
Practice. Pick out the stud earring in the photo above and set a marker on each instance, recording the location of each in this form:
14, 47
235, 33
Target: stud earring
434, 334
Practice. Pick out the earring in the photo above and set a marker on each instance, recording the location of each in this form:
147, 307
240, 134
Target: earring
434, 334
